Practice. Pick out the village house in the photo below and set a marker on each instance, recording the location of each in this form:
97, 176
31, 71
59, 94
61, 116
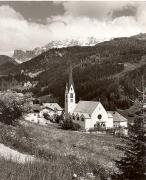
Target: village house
51, 109
90, 114
28, 84
40, 109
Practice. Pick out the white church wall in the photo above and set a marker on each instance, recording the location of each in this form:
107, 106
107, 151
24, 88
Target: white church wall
89, 123
109, 123
100, 115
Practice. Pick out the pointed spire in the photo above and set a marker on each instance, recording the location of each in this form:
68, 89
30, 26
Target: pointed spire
70, 77
66, 90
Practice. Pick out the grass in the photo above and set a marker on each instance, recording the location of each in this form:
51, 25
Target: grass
64, 151
100, 148
34, 171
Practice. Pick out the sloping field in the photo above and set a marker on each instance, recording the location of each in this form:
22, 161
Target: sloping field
11, 154
80, 152
96, 148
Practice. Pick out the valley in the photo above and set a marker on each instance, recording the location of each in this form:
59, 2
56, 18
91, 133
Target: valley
72, 90
108, 71
107, 61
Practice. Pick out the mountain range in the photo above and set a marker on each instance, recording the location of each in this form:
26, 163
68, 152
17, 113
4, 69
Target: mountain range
110, 70
25, 55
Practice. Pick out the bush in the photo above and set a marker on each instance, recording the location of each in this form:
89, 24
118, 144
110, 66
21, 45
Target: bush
75, 126
47, 116
110, 131
69, 125
59, 118
9, 114
12, 105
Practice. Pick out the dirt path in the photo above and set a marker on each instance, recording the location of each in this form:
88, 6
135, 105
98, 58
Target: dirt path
14, 155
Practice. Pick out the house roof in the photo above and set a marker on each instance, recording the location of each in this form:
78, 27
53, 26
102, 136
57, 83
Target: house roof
86, 107
53, 106
116, 116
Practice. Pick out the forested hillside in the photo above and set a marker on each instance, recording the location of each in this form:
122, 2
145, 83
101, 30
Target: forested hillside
6, 63
99, 72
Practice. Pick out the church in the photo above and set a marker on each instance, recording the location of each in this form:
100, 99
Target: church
89, 114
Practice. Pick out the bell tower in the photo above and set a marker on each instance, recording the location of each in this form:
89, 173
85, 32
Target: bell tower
70, 94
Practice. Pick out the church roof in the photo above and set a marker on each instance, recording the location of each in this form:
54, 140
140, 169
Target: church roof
86, 106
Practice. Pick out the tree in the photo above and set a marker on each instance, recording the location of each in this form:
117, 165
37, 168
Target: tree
132, 164
9, 114
11, 107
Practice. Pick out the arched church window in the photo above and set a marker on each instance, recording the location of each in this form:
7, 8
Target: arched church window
73, 118
82, 119
71, 95
78, 118
103, 124
99, 116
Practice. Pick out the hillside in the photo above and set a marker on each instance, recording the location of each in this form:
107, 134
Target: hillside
6, 59
99, 71
65, 152
141, 36
6, 63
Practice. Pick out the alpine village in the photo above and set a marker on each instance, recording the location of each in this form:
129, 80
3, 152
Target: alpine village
74, 112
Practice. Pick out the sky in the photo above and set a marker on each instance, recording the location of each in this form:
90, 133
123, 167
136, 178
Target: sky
29, 24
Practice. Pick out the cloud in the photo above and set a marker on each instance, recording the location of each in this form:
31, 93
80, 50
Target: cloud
17, 33
95, 9
7, 12
80, 20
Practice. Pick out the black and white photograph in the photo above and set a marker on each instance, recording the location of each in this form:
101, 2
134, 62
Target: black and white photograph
73, 90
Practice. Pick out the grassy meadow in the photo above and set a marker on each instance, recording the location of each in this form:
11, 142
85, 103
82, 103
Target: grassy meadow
34, 171
60, 152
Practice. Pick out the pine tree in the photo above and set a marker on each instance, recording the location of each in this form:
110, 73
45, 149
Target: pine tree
132, 165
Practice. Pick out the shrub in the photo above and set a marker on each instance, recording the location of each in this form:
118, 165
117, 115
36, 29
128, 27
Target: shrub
59, 118
47, 116
9, 114
69, 125
12, 105
110, 131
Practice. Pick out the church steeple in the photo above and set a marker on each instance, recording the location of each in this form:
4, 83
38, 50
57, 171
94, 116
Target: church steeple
69, 94
70, 77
